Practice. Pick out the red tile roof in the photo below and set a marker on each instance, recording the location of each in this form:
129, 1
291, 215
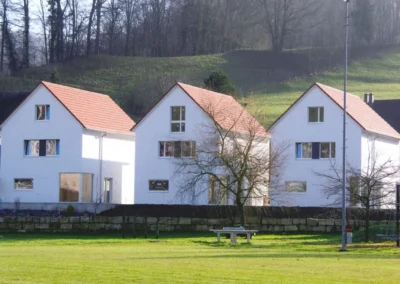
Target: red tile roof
225, 110
361, 112
94, 111
357, 109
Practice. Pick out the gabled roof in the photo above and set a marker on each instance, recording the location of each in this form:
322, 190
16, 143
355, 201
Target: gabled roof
357, 109
389, 110
226, 111
9, 102
94, 111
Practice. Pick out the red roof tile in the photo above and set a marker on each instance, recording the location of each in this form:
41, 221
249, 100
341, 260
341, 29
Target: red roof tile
361, 112
225, 110
94, 111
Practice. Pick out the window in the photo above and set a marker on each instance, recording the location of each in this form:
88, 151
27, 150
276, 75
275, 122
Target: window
42, 147
315, 114
296, 186
76, 187
177, 149
23, 183
107, 190
316, 150
217, 191
42, 112
327, 150
178, 117
354, 188
303, 150
158, 185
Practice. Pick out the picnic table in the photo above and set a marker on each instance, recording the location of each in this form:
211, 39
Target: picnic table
234, 231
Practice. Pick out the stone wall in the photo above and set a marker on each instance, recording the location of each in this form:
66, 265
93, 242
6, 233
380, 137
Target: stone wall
140, 225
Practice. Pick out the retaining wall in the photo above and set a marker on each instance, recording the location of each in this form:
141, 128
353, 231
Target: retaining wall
139, 225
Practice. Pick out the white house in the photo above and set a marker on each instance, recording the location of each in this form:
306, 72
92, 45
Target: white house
172, 130
67, 145
312, 127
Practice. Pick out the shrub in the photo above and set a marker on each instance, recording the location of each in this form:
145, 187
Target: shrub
218, 81
70, 210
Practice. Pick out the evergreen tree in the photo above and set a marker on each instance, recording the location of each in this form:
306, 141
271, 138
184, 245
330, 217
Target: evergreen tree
219, 82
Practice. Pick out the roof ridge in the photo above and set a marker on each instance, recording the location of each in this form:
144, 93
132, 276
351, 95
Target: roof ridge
335, 89
203, 89
64, 86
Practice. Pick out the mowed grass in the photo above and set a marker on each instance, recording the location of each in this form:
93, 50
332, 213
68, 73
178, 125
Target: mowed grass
142, 81
193, 259
379, 74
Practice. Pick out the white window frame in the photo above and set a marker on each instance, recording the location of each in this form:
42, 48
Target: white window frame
180, 121
319, 114
302, 158
291, 182
159, 190
17, 188
192, 143
46, 106
330, 150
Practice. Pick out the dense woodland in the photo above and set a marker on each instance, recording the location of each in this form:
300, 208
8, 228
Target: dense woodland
37, 32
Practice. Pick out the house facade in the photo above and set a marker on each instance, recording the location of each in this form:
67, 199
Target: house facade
67, 145
312, 129
172, 131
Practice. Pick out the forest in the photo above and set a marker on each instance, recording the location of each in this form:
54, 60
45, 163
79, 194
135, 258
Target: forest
41, 32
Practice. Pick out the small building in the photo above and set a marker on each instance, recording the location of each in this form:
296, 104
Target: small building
63, 144
313, 127
173, 130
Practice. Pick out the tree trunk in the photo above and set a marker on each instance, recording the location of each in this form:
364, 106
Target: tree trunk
3, 27
89, 29
25, 60
98, 21
367, 217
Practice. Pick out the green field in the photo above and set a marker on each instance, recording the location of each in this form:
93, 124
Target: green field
136, 83
193, 259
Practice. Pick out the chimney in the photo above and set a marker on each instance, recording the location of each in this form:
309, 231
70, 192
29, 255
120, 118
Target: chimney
366, 98
371, 99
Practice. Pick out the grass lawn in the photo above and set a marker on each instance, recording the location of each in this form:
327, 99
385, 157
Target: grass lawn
193, 259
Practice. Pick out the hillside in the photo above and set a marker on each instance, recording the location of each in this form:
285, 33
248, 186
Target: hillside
266, 83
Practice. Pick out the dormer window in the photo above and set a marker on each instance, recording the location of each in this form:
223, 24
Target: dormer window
178, 117
316, 114
42, 112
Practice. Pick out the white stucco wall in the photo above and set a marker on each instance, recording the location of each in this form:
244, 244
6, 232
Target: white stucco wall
117, 162
22, 125
294, 127
385, 151
157, 127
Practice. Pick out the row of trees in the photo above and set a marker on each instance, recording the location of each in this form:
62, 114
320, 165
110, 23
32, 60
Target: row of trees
48, 31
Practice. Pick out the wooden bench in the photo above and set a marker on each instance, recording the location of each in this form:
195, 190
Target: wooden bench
234, 231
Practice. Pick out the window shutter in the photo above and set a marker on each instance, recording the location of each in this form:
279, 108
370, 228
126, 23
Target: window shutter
315, 150
177, 149
42, 147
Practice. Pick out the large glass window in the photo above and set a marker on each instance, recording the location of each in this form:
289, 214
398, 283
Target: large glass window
316, 150
178, 117
315, 114
42, 112
76, 187
303, 150
328, 150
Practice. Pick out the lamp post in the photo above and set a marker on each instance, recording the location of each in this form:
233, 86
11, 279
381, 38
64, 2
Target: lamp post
344, 128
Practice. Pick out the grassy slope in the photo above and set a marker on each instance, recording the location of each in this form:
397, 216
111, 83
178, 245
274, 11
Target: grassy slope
196, 259
147, 78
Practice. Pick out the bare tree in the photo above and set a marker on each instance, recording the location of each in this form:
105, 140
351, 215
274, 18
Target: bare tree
89, 28
284, 17
42, 18
232, 161
371, 186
